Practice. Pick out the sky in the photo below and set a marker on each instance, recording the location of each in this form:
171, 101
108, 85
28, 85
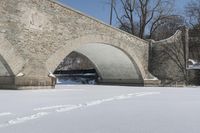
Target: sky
100, 9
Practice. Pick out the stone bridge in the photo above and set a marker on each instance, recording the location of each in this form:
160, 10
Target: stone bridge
36, 35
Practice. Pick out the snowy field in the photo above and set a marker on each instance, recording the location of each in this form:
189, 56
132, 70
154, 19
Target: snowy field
100, 109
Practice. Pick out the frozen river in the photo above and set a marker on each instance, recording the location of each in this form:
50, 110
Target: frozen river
100, 109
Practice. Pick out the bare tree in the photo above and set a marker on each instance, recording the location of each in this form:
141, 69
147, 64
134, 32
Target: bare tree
168, 59
175, 53
144, 14
193, 12
126, 20
166, 27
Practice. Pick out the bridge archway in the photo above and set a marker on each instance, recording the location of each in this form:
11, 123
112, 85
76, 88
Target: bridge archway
11, 63
111, 64
10, 57
5, 69
72, 44
6, 74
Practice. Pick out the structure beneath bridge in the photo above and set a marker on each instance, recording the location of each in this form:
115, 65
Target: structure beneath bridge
36, 35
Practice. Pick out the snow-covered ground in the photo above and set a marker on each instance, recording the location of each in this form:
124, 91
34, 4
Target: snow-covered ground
100, 109
194, 64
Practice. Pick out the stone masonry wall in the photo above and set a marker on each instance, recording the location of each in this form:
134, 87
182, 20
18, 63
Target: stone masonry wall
194, 45
167, 59
194, 54
36, 35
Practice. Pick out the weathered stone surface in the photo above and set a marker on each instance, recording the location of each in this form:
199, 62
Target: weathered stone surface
3, 70
36, 35
194, 45
167, 59
194, 54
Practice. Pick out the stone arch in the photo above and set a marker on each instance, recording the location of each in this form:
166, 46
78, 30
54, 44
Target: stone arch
5, 68
6, 74
73, 44
10, 57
